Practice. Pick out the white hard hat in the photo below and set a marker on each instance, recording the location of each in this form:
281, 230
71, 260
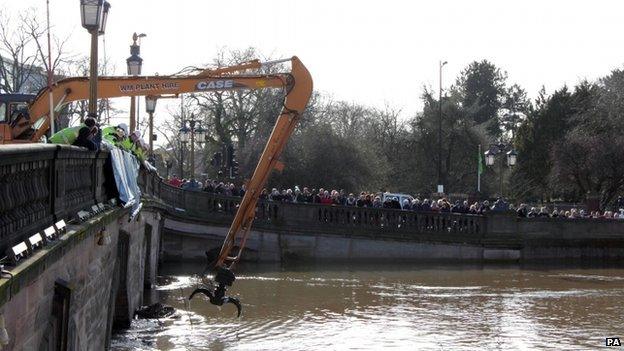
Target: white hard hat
136, 135
123, 127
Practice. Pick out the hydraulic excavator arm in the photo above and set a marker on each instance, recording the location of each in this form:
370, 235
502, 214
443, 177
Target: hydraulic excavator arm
298, 85
294, 105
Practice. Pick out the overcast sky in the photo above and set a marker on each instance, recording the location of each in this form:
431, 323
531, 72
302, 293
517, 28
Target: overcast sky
370, 52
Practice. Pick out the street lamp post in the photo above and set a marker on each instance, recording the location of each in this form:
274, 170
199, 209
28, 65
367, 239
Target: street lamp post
440, 185
511, 158
184, 138
135, 63
191, 133
93, 14
168, 165
150, 107
201, 138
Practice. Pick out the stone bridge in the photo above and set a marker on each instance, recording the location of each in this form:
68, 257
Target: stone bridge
197, 221
69, 287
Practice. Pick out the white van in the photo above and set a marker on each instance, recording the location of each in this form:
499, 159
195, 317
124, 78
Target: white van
400, 197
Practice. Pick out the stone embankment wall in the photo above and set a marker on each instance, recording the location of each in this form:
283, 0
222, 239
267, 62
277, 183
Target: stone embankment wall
503, 238
188, 241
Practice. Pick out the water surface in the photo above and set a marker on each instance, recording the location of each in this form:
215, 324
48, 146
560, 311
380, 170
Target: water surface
402, 307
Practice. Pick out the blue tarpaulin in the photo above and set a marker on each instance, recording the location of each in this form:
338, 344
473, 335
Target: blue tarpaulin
126, 171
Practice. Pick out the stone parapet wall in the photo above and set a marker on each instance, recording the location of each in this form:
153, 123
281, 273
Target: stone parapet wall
43, 183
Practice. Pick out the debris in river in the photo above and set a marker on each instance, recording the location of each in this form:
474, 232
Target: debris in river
157, 310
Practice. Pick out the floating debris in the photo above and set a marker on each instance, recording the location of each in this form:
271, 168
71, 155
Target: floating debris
157, 310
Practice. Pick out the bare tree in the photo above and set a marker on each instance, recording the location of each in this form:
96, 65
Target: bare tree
78, 110
17, 57
59, 57
238, 115
23, 53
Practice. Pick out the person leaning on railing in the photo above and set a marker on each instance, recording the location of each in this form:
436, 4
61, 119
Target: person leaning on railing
89, 136
85, 139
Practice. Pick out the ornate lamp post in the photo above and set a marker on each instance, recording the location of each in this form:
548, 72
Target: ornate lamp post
135, 63
192, 133
184, 138
511, 158
168, 165
150, 107
93, 14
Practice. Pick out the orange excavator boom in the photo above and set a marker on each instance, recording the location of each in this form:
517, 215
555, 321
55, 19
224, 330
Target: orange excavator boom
220, 79
294, 104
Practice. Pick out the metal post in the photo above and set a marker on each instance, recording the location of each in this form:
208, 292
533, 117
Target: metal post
502, 162
93, 76
192, 124
181, 143
105, 71
138, 113
51, 98
151, 133
132, 114
135, 63
182, 159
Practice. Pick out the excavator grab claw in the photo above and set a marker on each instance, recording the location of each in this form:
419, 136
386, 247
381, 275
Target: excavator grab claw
224, 278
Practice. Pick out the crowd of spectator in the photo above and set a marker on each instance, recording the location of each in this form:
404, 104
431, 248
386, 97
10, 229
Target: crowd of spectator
524, 211
378, 200
211, 186
339, 197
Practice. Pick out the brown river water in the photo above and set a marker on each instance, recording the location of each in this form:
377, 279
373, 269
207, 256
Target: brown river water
402, 307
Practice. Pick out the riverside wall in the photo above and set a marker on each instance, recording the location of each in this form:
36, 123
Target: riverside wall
519, 240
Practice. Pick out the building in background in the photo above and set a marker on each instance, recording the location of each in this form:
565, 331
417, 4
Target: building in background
18, 77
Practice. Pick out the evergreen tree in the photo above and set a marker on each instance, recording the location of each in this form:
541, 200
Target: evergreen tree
544, 127
481, 87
